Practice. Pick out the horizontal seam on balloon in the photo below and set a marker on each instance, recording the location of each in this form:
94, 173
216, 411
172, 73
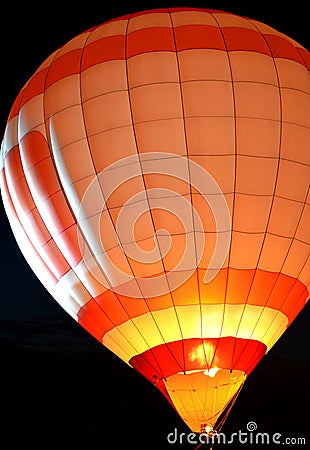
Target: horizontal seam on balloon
211, 233
185, 194
179, 51
289, 88
171, 118
246, 194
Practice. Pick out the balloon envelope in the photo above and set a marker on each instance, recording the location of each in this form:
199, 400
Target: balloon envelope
155, 172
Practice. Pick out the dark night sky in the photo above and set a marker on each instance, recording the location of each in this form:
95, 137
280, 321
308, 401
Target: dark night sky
58, 383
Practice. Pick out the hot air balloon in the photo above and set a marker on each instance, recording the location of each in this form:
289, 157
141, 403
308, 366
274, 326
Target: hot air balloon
155, 173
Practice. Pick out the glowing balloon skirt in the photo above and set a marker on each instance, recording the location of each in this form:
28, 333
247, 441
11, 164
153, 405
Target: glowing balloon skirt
155, 172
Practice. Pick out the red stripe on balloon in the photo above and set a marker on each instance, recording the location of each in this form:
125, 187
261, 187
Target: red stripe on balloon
230, 353
150, 40
282, 48
231, 286
109, 48
198, 36
63, 66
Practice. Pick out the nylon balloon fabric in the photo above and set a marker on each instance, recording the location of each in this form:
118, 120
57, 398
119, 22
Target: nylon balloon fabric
155, 173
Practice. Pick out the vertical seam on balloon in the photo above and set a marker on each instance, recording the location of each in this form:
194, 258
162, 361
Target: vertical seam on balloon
235, 180
108, 209
25, 177
98, 264
48, 141
305, 291
296, 279
12, 212
273, 196
207, 381
194, 397
76, 315
158, 246
136, 143
16, 129
301, 54
254, 356
36, 251
265, 233
55, 165
190, 412
189, 176
151, 216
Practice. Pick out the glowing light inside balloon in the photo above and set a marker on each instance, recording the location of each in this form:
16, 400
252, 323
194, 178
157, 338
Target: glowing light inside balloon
211, 372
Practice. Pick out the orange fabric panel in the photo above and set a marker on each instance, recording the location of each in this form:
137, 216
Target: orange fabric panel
299, 304
54, 259
152, 67
146, 102
249, 180
215, 290
262, 285
133, 308
198, 36
113, 140
285, 217
161, 135
207, 98
239, 284
258, 136
160, 302
210, 135
34, 149
59, 212
252, 211
94, 320
44, 177
103, 78
265, 100
22, 196
97, 112
292, 181
204, 64
245, 64
51, 254
13, 165
112, 307
120, 308
296, 295
22, 235
69, 240
187, 293
295, 107
109, 48
38, 227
